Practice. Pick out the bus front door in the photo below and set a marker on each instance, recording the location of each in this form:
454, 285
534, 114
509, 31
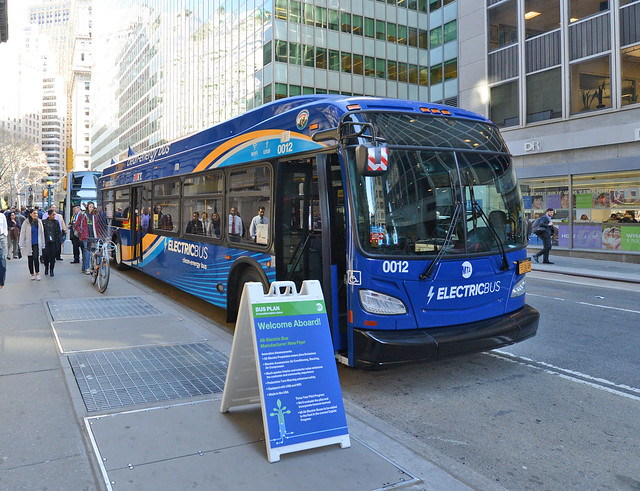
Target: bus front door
299, 250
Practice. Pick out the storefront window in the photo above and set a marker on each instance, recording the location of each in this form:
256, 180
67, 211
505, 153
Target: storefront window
630, 62
590, 85
605, 210
503, 24
540, 194
541, 16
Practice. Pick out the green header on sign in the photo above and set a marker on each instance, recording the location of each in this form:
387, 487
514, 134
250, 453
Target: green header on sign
283, 309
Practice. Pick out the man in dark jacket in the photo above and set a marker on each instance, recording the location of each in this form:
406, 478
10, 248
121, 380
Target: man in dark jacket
52, 237
544, 230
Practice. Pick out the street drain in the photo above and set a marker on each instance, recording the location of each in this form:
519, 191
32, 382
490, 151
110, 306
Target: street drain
116, 379
80, 309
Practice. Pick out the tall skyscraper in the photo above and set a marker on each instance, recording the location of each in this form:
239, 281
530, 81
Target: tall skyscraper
181, 68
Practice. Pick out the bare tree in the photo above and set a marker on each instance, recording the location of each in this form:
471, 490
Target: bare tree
22, 164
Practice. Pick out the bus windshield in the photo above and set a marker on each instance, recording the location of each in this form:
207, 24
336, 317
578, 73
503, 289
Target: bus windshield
408, 210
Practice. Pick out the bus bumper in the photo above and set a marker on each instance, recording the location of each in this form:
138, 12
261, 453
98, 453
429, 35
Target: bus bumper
378, 349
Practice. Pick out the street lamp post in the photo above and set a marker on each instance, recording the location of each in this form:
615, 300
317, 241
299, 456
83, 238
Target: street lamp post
49, 186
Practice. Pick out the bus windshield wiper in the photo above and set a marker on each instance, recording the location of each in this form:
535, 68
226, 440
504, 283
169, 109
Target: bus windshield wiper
476, 206
454, 220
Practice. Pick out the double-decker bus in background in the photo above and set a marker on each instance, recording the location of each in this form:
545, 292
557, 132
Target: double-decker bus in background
408, 213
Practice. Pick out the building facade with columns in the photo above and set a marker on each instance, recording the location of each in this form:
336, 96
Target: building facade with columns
562, 79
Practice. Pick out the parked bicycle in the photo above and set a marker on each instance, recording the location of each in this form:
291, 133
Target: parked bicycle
99, 268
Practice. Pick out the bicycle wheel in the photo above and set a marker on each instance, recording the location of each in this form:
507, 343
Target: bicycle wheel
93, 267
103, 274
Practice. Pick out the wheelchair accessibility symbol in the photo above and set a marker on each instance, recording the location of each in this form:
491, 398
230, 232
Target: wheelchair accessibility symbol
354, 277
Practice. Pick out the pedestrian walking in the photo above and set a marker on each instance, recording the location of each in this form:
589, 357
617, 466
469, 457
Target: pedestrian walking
4, 232
543, 228
87, 230
63, 230
32, 242
13, 238
75, 235
52, 234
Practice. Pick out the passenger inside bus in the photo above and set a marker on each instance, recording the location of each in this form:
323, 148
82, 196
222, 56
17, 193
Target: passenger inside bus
215, 224
235, 225
195, 225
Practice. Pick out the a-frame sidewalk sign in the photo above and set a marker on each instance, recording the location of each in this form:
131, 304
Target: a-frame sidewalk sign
282, 357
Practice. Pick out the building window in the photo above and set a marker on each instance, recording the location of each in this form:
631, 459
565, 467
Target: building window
294, 90
294, 11
423, 39
436, 74
579, 9
307, 14
334, 60
402, 72
281, 91
381, 68
267, 94
294, 53
450, 31
281, 9
321, 17
391, 33
451, 69
503, 24
402, 35
392, 70
435, 37
266, 54
369, 27
434, 5
413, 74
541, 16
544, 95
334, 20
504, 104
369, 66
345, 22
357, 25
281, 51
321, 58
381, 30
630, 74
424, 77
413, 36
308, 55
357, 64
590, 85
346, 62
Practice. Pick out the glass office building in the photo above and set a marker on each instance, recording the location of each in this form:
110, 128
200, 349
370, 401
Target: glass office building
562, 79
165, 69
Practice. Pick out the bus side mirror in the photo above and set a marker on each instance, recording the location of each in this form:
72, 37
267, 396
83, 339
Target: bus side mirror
371, 160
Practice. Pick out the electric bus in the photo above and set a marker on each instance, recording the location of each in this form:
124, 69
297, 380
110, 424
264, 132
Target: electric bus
408, 213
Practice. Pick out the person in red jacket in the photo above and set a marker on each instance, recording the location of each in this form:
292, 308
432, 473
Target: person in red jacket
86, 226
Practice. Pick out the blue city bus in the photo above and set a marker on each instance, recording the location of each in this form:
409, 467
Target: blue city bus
408, 213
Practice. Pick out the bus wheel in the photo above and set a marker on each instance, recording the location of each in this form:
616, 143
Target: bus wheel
247, 275
117, 255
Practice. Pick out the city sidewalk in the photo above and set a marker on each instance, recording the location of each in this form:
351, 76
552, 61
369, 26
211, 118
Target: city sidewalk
590, 268
122, 391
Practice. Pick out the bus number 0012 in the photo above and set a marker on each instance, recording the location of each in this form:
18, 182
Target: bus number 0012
395, 267
285, 147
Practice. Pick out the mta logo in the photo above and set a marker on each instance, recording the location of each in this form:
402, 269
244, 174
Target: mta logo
467, 269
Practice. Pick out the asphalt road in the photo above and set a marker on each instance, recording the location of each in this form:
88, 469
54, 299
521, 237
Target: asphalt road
558, 411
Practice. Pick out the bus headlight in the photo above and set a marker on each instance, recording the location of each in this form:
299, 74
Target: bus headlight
379, 303
520, 288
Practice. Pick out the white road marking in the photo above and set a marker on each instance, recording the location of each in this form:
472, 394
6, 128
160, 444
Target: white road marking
572, 375
545, 296
607, 307
595, 282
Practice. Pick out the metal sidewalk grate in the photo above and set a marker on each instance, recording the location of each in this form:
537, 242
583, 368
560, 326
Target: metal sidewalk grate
116, 379
80, 309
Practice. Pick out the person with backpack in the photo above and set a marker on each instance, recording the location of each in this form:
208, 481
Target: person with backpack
543, 228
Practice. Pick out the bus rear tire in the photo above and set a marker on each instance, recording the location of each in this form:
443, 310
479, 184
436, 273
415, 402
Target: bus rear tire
249, 274
117, 255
